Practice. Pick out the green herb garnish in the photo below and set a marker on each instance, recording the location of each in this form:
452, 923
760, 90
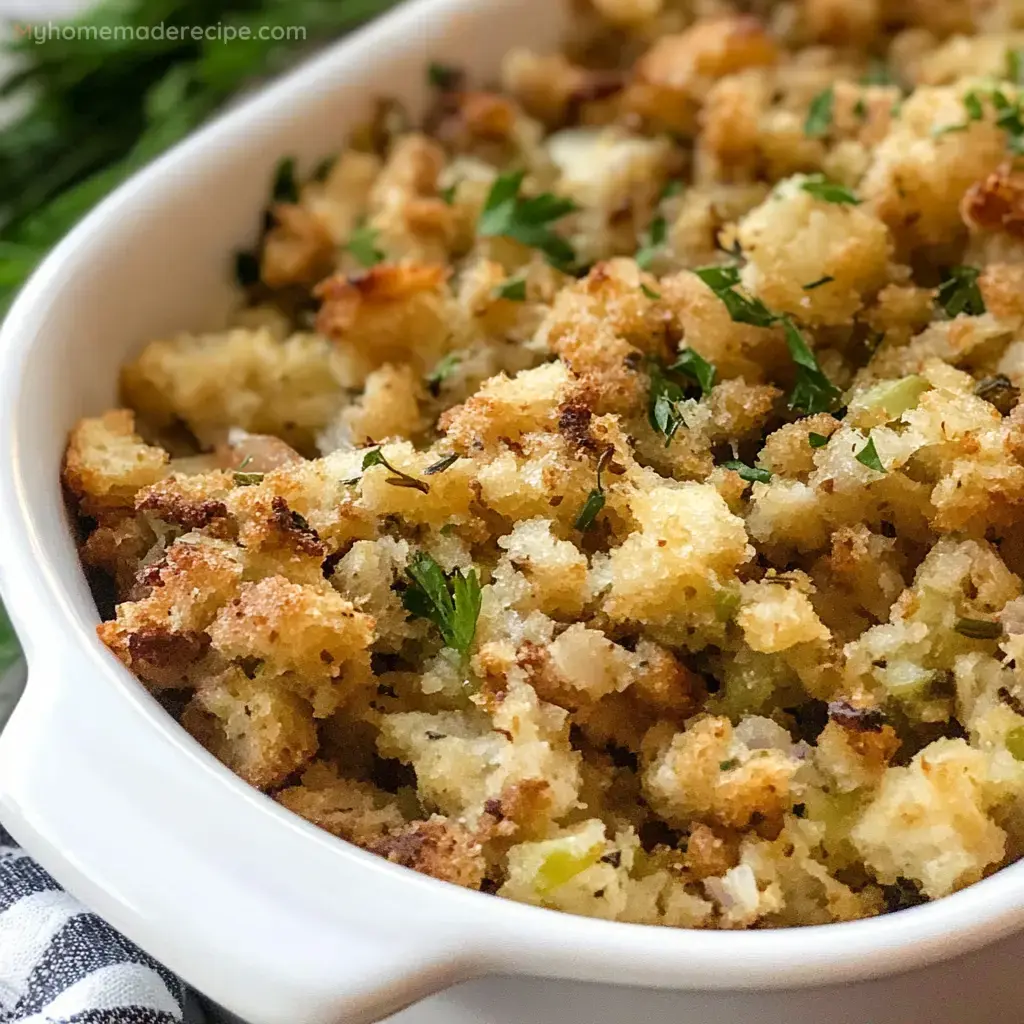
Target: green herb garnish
362, 245
248, 479
448, 194
813, 391
451, 601
664, 398
528, 221
692, 364
514, 289
445, 367
1015, 66
860, 109
723, 281
868, 456
375, 457
596, 499
828, 191
10, 650
749, 473
978, 629
651, 242
960, 293
827, 279
819, 116
817, 440
650, 292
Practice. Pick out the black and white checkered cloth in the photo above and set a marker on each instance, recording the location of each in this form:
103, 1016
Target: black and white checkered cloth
61, 964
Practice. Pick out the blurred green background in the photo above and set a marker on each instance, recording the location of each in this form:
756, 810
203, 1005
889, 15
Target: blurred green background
84, 113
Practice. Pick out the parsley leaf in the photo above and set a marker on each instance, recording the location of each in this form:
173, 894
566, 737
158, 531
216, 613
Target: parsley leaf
868, 456
651, 241
663, 404
375, 457
514, 289
827, 279
362, 244
960, 293
819, 116
821, 188
813, 391
285, 188
506, 214
817, 440
742, 308
694, 365
451, 601
596, 499
445, 367
749, 473
448, 194
650, 292
322, 171
1015, 66
248, 479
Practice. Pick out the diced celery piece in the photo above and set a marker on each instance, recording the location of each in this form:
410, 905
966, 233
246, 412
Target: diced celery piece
886, 401
561, 866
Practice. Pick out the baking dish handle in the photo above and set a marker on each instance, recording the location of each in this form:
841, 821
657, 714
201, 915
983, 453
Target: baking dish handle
273, 919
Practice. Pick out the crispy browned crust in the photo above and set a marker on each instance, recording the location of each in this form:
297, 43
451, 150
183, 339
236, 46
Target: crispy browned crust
997, 202
345, 296
438, 847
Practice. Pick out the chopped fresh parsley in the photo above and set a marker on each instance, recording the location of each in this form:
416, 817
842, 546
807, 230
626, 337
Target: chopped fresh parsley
723, 281
973, 106
813, 391
692, 364
285, 188
248, 479
817, 440
819, 116
444, 76
672, 188
868, 456
749, 473
528, 221
362, 244
821, 188
827, 279
445, 367
1015, 66
860, 109
960, 293
375, 457
441, 465
448, 194
650, 292
979, 629
663, 404
450, 600
651, 242
596, 499
514, 289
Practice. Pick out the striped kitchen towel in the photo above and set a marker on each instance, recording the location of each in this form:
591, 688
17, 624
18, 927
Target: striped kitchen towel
60, 964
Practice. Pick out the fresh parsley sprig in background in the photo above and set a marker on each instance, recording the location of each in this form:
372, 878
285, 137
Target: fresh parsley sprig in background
96, 110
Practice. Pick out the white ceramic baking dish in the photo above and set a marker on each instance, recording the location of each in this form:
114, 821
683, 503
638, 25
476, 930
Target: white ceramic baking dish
276, 920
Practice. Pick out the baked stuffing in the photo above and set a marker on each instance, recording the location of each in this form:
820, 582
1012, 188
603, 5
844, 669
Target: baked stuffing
609, 492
